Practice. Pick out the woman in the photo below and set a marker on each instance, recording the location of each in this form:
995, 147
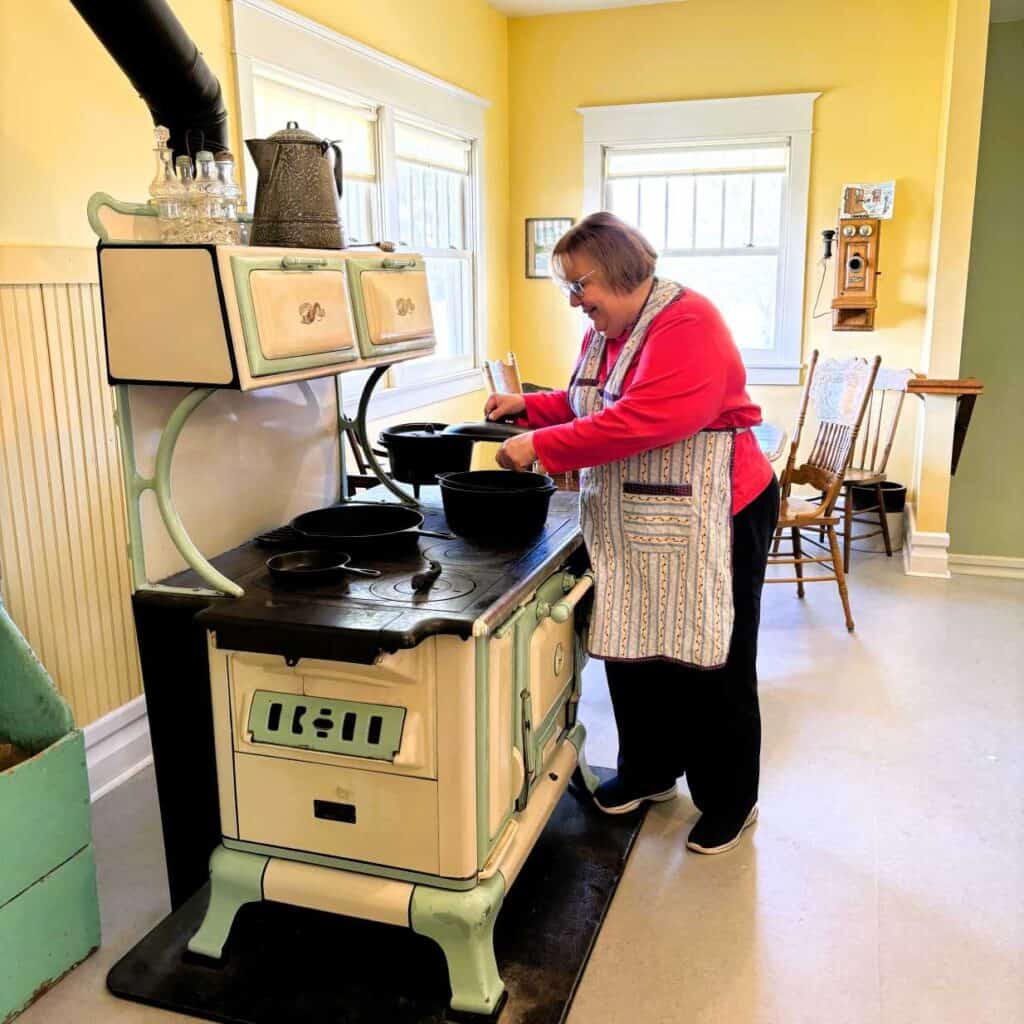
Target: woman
677, 506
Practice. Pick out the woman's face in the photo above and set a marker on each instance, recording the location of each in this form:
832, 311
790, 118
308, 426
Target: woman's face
609, 311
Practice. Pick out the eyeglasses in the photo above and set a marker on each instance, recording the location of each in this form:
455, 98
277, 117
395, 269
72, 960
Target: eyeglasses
575, 287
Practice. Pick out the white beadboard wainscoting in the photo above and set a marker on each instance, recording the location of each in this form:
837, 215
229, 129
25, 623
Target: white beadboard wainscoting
64, 573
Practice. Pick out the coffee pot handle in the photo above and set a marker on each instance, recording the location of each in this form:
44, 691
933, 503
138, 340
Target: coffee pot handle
338, 177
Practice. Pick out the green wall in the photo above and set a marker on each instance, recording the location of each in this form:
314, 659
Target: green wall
987, 492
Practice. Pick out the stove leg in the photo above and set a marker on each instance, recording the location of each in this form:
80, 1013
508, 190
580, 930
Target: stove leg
583, 777
462, 924
236, 878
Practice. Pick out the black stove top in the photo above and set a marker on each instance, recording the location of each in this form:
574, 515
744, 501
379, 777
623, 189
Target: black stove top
358, 618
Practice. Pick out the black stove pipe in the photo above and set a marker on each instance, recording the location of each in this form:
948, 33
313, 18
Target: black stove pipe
166, 68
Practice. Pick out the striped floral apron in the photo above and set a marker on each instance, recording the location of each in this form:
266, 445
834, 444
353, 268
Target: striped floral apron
658, 526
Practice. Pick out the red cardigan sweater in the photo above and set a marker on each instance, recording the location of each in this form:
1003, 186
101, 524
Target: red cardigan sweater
688, 376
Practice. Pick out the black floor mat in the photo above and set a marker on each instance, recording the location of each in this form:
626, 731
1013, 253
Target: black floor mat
288, 965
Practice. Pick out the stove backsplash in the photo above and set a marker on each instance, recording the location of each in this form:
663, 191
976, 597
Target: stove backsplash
245, 463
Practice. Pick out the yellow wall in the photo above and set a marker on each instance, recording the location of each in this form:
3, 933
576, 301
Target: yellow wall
880, 73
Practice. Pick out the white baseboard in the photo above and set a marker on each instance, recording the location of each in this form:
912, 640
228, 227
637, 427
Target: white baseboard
117, 746
988, 565
924, 553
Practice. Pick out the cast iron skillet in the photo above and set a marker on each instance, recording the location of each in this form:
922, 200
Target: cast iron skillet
314, 567
366, 528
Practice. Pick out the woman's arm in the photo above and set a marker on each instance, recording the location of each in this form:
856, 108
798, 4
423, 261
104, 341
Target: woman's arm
677, 390
547, 408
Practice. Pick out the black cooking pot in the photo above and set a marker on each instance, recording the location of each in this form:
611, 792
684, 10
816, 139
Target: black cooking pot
496, 506
417, 452
492, 480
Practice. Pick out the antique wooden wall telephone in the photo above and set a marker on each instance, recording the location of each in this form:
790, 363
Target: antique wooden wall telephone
857, 244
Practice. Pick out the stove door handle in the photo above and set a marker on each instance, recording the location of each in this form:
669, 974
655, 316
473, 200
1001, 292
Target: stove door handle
562, 610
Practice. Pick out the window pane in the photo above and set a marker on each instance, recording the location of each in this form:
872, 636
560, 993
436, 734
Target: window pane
352, 125
652, 210
404, 204
709, 212
767, 208
434, 148
359, 208
680, 213
431, 207
738, 199
450, 303
695, 158
624, 199
742, 287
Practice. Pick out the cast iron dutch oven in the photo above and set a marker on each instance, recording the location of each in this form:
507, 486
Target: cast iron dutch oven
417, 452
496, 505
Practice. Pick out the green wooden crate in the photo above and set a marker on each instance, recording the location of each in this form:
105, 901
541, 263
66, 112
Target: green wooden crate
49, 915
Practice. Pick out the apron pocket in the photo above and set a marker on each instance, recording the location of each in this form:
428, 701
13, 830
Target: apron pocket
657, 518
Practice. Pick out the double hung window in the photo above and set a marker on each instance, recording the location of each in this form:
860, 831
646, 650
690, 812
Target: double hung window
411, 168
720, 189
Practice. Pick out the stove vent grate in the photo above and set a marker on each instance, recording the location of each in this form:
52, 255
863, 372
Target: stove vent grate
325, 725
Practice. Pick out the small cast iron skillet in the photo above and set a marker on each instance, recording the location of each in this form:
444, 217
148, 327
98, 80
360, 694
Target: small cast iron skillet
311, 568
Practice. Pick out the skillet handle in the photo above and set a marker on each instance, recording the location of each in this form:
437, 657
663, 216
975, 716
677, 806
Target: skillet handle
434, 533
368, 573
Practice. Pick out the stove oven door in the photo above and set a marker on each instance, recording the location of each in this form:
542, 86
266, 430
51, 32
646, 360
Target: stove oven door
547, 670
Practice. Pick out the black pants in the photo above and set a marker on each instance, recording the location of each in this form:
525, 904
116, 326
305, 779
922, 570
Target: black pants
706, 723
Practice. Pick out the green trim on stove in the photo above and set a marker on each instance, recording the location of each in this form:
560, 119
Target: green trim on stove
260, 366
100, 199
391, 721
160, 484
357, 867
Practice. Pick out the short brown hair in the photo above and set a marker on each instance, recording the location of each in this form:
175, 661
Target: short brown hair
624, 256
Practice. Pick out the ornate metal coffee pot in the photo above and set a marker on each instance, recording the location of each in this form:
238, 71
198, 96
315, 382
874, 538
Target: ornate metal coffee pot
298, 191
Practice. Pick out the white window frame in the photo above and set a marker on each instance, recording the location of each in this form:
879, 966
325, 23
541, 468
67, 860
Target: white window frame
269, 35
754, 119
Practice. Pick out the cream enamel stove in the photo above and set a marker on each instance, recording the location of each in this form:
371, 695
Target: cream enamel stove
381, 752
391, 754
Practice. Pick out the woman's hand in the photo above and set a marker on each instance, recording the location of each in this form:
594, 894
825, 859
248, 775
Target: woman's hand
517, 452
500, 406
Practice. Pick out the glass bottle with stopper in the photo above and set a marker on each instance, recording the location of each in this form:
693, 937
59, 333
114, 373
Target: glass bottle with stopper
209, 202
165, 190
189, 209
233, 200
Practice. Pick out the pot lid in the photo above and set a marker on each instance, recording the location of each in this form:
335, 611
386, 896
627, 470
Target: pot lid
293, 133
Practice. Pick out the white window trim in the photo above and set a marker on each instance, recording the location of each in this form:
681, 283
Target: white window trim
269, 34
755, 118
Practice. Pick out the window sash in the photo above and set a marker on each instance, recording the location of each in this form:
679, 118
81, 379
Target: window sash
663, 231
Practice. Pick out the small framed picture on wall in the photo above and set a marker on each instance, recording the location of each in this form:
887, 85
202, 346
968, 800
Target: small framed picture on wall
541, 235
